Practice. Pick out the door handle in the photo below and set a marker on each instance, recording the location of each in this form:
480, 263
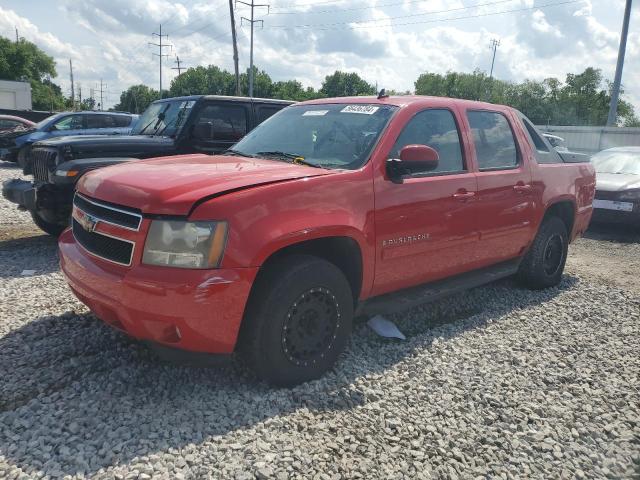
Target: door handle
463, 196
521, 188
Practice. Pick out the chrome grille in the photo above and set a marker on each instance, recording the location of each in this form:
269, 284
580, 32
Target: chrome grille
115, 215
103, 246
42, 162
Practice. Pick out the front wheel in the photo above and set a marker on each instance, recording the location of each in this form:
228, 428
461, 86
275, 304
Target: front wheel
543, 265
298, 320
53, 229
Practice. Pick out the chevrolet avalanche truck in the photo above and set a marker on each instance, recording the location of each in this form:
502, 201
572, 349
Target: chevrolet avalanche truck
331, 208
173, 126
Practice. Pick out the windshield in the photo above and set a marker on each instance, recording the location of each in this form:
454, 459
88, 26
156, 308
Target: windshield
617, 162
329, 135
45, 123
163, 118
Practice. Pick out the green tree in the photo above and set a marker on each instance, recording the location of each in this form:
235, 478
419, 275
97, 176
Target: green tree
211, 80
136, 99
292, 90
24, 61
343, 84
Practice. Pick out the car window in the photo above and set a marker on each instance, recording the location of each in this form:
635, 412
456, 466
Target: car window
436, 128
9, 123
493, 140
229, 121
265, 111
100, 121
71, 122
536, 138
121, 121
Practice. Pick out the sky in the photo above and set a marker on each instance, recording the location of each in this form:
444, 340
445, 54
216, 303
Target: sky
387, 42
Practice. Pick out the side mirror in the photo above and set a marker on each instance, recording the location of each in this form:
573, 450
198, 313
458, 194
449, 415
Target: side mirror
203, 131
413, 159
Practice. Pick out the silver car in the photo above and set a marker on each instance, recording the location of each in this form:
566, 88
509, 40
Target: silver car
617, 185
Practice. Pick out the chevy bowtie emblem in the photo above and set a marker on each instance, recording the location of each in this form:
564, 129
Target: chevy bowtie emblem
87, 222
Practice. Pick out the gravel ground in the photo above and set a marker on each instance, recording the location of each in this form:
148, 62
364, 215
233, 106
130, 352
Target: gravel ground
496, 382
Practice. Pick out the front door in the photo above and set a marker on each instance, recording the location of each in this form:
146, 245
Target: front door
505, 197
426, 226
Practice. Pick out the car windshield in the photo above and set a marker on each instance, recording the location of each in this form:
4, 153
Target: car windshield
328, 135
617, 162
163, 118
47, 121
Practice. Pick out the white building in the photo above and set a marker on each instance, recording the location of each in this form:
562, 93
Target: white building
15, 95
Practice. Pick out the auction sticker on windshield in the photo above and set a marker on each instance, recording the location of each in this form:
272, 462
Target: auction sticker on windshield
364, 109
315, 113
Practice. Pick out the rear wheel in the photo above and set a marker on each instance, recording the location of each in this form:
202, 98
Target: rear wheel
543, 265
53, 229
298, 320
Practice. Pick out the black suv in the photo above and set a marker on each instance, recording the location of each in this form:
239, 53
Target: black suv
172, 126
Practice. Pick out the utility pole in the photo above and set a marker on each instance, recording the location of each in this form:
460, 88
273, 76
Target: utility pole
91, 95
235, 46
252, 22
80, 94
102, 87
615, 94
73, 92
17, 38
494, 44
160, 53
179, 68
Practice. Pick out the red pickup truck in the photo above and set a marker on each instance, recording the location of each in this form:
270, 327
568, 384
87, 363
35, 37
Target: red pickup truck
329, 209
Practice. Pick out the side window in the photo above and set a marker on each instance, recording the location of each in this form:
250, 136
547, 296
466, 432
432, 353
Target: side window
493, 139
8, 123
121, 121
436, 128
265, 111
229, 122
72, 122
99, 121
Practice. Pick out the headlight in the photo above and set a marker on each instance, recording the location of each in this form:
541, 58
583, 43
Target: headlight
630, 195
185, 244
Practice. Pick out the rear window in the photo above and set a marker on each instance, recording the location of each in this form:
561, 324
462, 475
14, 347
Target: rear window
493, 140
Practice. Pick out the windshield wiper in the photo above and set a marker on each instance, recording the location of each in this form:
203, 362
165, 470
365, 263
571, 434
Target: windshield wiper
295, 158
231, 151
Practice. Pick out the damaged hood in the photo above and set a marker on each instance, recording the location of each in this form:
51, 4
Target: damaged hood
171, 185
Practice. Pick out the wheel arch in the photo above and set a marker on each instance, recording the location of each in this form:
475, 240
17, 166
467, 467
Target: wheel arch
565, 209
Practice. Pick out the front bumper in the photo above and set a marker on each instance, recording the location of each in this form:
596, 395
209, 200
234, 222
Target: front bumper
601, 215
20, 192
193, 310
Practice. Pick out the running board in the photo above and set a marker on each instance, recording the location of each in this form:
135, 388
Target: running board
395, 302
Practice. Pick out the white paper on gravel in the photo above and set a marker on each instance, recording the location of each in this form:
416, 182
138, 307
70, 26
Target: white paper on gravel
385, 328
27, 273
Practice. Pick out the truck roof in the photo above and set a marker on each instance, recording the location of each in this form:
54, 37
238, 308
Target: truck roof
227, 98
404, 100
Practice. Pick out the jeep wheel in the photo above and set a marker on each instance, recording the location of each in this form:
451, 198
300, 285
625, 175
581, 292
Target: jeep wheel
298, 320
53, 229
543, 265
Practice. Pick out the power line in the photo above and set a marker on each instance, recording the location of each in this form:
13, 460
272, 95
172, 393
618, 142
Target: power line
252, 22
332, 26
383, 5
160, 53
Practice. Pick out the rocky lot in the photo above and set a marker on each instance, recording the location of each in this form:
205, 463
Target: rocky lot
497, 382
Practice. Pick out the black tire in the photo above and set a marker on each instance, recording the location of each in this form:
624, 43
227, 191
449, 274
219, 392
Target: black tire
277, 332
53, 229
543, 265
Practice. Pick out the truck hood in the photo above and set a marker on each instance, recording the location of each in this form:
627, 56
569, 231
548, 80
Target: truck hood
172, 185
111, 145
616, 182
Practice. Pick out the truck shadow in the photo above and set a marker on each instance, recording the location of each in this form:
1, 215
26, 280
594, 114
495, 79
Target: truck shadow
77, 396
612, 232
35, 252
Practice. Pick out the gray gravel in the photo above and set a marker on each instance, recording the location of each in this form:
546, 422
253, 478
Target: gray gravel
496, 382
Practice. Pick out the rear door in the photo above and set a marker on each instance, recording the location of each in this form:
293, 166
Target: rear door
505, 196
426, 226
219, 125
